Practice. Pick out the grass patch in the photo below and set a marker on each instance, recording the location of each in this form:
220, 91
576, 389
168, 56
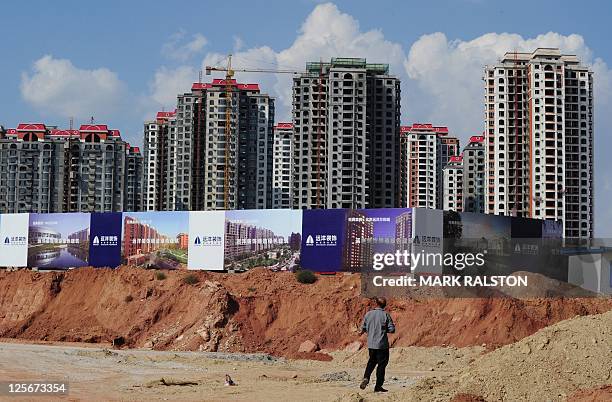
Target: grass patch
160, 276
191, 279
305, 276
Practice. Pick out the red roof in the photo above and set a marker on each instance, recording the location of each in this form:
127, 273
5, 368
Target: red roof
31, 127
424, 127
97, 128
284, 126
219, 82
165, 115
456, 158
11, 131
115, 133
136, 150
477, 138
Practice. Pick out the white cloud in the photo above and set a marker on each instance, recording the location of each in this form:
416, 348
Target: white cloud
177, 49
168, 83
56, 86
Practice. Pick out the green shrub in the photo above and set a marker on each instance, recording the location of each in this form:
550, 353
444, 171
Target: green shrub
191, 279
305, 276
160, 276
128, 298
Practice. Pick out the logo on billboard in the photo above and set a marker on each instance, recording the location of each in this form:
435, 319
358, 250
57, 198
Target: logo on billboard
15, 240
208, 241
324, 240
106, 241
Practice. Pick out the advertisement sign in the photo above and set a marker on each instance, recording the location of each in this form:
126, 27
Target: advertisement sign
323, 239
58, 241
105, 239
14, 240
427, 237
155, 239
268, 238
371, 233
206, 240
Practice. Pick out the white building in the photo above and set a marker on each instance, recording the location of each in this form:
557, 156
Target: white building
453, 184
539, 139
282, 182
428, 149
160, 153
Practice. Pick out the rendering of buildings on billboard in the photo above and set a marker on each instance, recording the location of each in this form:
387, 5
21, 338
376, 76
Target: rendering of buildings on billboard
58, 241
155, 239
268, 238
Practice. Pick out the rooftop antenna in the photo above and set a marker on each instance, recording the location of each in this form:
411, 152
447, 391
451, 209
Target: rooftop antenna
91, 120
71, 123
200, 76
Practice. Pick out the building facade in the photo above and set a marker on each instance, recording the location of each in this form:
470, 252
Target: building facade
428, 149
453, 184
539, 139
346, 118
205, 151
160, 154
282, 181
45, 169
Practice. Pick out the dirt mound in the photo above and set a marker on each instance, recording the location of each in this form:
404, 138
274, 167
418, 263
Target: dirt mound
598, 394
549, 365
259, 311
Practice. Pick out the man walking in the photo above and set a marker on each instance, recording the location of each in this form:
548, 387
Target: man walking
377, 323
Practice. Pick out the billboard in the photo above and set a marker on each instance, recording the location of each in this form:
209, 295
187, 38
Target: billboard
105, 239
427, 237
375, 231
58, 241
323, 239
206, 240
155, 239
268, 238
14, 240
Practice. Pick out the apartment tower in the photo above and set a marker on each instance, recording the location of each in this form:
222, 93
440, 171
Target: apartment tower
282, 181
428, 149
539, 139
206, 152
346, 118
160, 153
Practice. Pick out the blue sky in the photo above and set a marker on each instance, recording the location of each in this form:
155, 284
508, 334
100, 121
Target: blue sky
120, 61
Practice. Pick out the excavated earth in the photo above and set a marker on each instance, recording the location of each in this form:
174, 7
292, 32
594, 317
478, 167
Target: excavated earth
258, 311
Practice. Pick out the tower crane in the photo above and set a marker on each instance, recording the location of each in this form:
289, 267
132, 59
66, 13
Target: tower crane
229, 75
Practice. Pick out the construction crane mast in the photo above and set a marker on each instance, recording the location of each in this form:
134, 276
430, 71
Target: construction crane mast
229, 75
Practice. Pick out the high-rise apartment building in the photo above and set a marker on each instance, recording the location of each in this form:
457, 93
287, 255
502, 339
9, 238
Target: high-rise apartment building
205, 151
428, 149
539, 139
474, 175
346, 118
453, 184
134, 165
282, 180
160, 154
45, 169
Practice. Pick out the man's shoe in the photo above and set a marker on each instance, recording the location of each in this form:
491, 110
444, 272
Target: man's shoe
381, 389
364, 383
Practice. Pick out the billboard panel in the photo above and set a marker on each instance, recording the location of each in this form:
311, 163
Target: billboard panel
206, 240
14, 240
371, 232
58, 241
323, 239
268, 238
427, 237
155, 239
105, 240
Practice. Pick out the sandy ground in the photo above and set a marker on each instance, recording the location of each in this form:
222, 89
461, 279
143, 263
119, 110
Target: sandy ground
135, 375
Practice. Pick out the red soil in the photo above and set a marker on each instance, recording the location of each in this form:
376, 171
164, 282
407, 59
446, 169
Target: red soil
259, 311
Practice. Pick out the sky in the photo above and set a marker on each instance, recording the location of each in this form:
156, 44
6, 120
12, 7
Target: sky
121, 61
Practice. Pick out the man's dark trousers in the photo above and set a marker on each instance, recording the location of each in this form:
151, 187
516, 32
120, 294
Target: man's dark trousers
379, 359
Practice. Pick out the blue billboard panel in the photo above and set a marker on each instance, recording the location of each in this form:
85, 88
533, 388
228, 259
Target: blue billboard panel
323, 239
375, 231
105, 240
58, 241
